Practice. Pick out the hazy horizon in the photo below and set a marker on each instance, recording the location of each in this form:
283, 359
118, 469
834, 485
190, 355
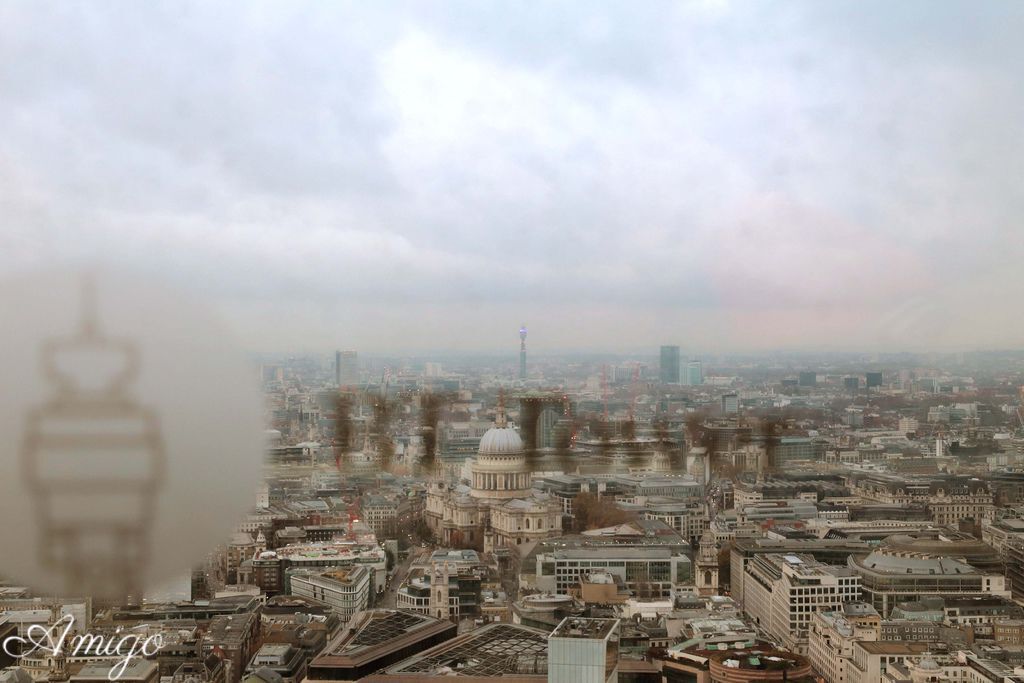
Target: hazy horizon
646, 355
400, 177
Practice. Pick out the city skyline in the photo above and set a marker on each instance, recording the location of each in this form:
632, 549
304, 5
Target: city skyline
553, 342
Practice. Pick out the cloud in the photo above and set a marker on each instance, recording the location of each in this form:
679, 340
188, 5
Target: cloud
426, 175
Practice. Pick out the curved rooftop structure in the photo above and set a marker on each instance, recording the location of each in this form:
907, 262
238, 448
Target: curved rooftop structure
944, 543
757, 664
890, 577
547, 600
888, 562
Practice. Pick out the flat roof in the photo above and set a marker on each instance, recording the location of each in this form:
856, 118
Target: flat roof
137, 669
648, 553
458, 555
894, 647
581, 627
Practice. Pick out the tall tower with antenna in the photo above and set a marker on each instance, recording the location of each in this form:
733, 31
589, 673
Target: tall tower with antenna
522, 351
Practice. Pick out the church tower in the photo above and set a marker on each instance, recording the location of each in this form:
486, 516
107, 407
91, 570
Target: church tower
439, 606
59, 663
706, 569
261, 542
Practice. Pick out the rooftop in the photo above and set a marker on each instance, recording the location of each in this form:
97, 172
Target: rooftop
802, 565
372, 633
724, 625
139, 669
759, 659
894, 647
380, 627
227, 629
859, 609
463, 555
341, 575
888, 562
651, 553
579, 627
496, 650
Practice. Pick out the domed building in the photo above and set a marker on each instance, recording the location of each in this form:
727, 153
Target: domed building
499, 507
500, 470
926, 670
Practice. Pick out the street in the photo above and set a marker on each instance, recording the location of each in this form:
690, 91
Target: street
401, 571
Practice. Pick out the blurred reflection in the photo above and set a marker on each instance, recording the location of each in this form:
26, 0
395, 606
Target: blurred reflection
93, 459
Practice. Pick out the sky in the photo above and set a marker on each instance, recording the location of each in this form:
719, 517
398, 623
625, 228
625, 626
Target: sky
409, 177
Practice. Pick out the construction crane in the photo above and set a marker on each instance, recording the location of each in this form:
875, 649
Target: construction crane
567, 415
604, 391
634, 390
353, 517
385, 380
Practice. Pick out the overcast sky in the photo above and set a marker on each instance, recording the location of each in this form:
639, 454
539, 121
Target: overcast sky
406, 177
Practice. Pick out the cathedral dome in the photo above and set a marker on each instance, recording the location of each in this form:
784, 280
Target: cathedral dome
501, 441
500, 469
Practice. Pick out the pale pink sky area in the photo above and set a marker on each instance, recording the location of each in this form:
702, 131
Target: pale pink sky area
417, 176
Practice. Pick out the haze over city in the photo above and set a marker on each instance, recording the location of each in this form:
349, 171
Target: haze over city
558, 341
424, 176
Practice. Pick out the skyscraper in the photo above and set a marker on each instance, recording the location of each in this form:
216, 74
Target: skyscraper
668, 371
346, 368
694, 373
522, 351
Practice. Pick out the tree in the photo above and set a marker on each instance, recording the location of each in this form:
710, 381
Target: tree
592, 512
381, 425
431, 407
725, 565
421, 531
342, 427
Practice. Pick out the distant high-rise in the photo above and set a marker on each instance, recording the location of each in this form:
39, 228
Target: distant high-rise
808, 379
851, 383
872, 379
522, 351
730, 404
346, 368
694, 373
668, 371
